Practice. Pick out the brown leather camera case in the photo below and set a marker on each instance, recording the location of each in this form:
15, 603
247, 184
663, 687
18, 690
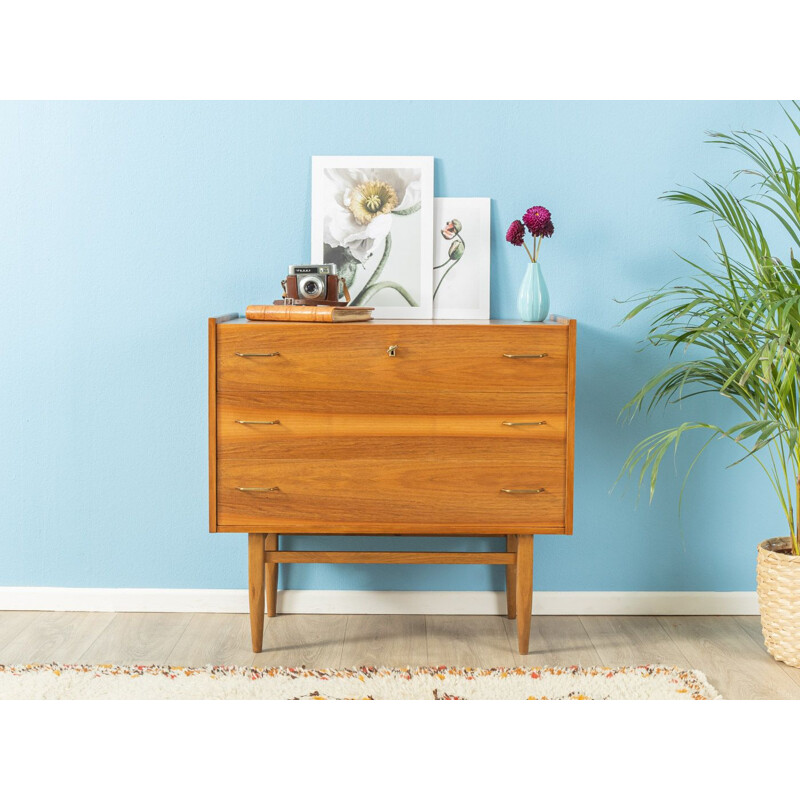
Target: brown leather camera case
331, 290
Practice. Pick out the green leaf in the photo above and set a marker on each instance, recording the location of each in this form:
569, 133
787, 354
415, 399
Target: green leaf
411, 210
732, 326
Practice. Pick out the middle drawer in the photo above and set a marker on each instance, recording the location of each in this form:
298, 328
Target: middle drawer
292, 425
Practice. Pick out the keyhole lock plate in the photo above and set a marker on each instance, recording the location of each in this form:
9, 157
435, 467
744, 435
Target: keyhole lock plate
392, 351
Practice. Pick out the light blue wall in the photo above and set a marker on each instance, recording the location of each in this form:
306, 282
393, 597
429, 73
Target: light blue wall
123, 226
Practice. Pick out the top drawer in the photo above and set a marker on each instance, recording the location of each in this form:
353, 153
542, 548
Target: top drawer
496, 358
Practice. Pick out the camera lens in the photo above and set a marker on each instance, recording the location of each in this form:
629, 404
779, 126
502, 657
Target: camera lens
311, 287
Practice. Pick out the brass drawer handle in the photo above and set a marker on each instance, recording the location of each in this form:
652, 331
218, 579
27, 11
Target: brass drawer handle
257, 355
517, 424
258, 489
258, 422
525, 355
522, 491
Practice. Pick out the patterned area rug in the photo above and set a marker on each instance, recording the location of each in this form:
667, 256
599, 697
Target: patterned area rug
108, 682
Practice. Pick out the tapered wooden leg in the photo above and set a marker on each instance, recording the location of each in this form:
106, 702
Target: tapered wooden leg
511, 579
255, 560
524, 578
272, 577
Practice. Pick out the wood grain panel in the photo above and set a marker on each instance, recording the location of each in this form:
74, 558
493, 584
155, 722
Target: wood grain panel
133, 638
462, 641
556, 641
314, 641
388, 640
632, 640
12, 623
327, 494
438, 358
388, 528
284, 430
400, 433
403, 403
256, 576
62, 632
212, 425
554, 320
382, 557
408, 448
327, 640
513, 449
734, 664
511, 579
752, 626
569, 475
523, 583
211, 639
212, 416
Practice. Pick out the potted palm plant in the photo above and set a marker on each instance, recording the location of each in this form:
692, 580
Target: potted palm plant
737, 321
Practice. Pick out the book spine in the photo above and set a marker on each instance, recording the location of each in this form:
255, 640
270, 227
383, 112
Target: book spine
287, 313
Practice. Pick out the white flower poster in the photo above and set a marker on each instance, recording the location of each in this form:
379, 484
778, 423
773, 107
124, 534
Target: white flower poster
462, 257
372, 216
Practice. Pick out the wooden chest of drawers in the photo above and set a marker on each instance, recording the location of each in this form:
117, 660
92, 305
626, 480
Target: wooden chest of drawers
401, 427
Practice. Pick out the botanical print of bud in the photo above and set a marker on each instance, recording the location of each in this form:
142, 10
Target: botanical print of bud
451, 230
462, 258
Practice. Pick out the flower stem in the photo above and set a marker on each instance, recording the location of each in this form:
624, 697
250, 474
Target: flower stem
439, 285
444, 265
387, 248
528, 251
368, 291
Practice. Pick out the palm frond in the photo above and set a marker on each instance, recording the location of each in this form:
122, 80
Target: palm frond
735, 324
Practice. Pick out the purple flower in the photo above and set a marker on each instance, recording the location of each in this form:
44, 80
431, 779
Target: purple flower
515, 233
537, 221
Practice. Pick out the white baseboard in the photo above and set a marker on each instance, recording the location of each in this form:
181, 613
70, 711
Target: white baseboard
312, 601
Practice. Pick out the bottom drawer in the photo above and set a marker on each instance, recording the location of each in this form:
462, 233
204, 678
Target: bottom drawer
319, 495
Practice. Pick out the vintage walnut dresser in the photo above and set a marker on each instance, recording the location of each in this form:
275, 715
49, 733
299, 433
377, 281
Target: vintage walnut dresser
436, 428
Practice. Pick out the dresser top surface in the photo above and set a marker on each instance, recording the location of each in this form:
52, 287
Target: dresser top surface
553, 321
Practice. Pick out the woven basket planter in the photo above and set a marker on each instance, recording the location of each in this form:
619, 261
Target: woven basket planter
778, 576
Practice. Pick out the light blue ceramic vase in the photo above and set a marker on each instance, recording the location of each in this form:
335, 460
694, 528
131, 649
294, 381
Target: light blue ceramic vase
533, 303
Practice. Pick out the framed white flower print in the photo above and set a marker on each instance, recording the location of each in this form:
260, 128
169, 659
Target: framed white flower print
462, 257
372, 216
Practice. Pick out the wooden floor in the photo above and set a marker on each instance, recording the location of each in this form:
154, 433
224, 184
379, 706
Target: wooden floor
729, 650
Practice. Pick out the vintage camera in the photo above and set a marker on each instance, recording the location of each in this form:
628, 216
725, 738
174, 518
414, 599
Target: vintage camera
313, 285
